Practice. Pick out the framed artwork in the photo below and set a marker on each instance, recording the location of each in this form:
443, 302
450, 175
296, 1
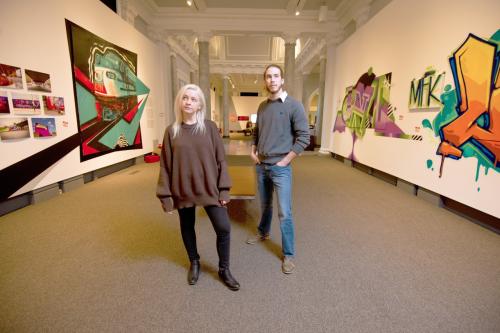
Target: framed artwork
37, 81
53, 106
14, 128
10, 77
4, 103
110, 98
26, 104
43, 127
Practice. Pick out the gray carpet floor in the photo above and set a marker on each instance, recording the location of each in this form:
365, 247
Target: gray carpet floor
370, 258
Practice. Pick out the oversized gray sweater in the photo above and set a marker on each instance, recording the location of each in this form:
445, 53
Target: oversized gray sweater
281, 127
193, 169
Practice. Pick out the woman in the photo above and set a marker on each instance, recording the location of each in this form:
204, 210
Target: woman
193, 172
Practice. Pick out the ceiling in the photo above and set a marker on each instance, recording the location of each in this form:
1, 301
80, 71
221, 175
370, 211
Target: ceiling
246, 35
254, 4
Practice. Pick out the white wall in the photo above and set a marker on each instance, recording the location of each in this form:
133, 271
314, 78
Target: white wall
244, 106
33, 36
404, 38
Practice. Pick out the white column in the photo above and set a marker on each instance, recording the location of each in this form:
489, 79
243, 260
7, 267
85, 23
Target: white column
225, 106
329, 103
305, 97
173, 78
204, 70
321, 97
290, 66
165, 114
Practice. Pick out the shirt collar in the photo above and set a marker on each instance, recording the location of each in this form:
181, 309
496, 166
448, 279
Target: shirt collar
282, 96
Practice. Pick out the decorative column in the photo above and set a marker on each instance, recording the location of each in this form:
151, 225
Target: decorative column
204, 70
290, 64
225, 106
173, 77
193, 77
321, 97
305, 97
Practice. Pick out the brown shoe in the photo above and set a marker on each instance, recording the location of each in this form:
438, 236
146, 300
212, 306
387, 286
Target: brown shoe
287, 266
257, 238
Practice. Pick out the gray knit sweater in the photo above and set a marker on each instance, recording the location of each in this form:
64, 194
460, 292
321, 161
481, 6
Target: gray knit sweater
193, 169
281, 127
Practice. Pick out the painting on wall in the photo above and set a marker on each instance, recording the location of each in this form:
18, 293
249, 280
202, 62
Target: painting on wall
27, 104
37, 81
4, 102
10, 77
468, 123
110, 98
425, 91
43, 127
53, 106
366, 105
14, 128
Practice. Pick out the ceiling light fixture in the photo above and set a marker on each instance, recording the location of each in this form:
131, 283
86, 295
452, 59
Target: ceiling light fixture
189, 3
297, 13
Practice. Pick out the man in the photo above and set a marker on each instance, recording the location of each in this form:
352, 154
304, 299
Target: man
280, 134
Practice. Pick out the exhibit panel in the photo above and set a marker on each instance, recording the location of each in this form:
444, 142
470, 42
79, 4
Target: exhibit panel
77, 86
415, 93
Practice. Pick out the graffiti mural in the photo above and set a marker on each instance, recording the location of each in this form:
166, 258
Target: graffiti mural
425, 92
469, 122
366, 105
110, 98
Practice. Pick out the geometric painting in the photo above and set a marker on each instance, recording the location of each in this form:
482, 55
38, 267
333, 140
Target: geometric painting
110, 99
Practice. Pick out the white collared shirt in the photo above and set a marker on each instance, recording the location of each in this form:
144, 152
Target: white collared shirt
282, 96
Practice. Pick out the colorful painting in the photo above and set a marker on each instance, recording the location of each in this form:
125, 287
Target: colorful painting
110, 99
4, 102
469, 122
14, 128
425, 91
43, 127
26, 104
53, 106
10, 77
37, 81
366, 105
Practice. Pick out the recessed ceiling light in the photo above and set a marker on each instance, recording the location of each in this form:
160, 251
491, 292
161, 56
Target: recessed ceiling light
189, 2
297, 13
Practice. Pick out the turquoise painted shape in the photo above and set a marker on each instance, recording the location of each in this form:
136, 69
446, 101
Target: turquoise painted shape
86, 105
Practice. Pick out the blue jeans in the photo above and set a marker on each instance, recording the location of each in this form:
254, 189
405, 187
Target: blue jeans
275, 178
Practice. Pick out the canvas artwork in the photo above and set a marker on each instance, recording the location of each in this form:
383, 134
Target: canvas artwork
26, 104
110, 98
10, 77
14, 128
53, 106
43, 127
4, 103
37, 81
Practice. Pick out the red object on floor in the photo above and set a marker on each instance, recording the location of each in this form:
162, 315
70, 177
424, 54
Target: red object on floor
152, 158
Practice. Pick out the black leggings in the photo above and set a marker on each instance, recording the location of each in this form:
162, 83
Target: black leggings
220, 221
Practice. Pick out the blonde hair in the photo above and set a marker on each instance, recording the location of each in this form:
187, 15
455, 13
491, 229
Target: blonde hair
199, 127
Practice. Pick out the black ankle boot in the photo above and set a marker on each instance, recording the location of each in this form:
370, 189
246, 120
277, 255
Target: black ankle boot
228, 279
194, 272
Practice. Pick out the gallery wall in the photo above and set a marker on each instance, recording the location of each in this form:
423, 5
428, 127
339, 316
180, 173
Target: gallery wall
410, 40
33, 36
244, 106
